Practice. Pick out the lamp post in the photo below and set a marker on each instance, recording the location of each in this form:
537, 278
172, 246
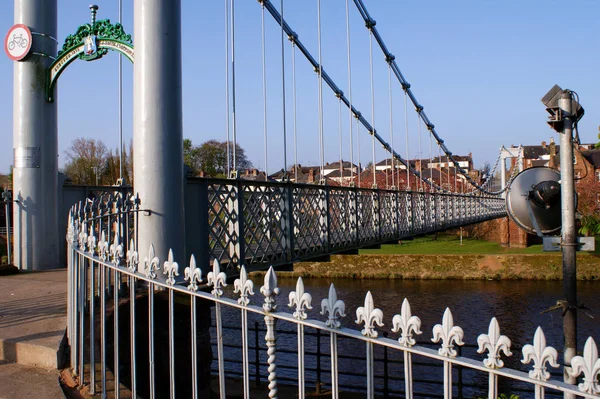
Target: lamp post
565, 112
95, 169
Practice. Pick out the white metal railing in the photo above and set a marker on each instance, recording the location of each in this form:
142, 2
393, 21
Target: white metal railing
106, 268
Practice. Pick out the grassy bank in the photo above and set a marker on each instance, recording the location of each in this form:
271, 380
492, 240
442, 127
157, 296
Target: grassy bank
442, 267
447, 244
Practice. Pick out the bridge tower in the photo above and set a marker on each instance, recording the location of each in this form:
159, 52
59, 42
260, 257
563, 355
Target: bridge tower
157, 126
35, 141
158, 141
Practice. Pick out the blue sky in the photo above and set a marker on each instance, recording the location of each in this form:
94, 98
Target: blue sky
478, 67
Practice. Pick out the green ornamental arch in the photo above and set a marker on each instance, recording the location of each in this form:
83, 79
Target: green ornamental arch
91, 42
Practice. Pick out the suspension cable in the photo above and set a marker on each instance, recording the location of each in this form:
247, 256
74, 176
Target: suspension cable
320, 71
391, 123
341, 138
420, 183
233, 114
325, 77
431, 158
406, 133
406, 86
373, 168
351, 124
283, 97
264, 89
358, 150
295, 111
227, 100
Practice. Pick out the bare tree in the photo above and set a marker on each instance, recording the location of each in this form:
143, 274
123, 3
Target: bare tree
87, 162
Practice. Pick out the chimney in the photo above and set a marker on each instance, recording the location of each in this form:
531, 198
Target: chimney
254, 172
247, 172
544, 144
552, 161
311, 175
201, 174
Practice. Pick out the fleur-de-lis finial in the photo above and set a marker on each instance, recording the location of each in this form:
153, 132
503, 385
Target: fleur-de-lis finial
370, 316
216, 278
83, 236
540, 354
302, 300
494, 343
170, 268
333, 307
151, 264
589, 365
270, 290
71, 229
91, 241
244, 286
103, 248
448, 333
193, 274
116, 251
407, 324
132, 257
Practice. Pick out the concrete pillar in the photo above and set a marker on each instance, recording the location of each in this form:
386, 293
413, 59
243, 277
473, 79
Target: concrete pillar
157, 138
35, 144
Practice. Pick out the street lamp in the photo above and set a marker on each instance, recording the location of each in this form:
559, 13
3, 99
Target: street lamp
96, 169
565, 112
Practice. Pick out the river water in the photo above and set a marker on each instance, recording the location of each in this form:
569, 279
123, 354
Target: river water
515, 304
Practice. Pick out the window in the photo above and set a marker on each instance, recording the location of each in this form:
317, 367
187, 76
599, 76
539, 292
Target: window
597, 200
598, 175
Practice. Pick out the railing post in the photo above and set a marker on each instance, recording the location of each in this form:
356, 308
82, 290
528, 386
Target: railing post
241, 245
377, 212
459, 382
256, 355
396, 214
356, 224
7, 197
287, 213
328, 219
318, 382
386, 380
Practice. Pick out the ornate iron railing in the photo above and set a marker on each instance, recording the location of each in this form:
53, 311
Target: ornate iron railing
262, 224
149, 329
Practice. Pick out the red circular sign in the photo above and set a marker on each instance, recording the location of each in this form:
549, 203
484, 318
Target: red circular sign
17, 42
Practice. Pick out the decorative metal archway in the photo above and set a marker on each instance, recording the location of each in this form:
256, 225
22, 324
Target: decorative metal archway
91, 42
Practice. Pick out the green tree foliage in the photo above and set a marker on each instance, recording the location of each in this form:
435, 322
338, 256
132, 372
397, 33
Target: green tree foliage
211, 157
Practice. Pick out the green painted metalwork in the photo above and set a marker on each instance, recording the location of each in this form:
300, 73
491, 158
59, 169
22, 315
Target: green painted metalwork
102, 30
90, 42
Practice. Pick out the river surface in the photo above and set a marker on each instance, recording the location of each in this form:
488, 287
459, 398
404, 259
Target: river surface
516, 305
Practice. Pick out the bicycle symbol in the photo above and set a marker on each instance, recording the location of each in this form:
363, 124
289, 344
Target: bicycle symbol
17, 40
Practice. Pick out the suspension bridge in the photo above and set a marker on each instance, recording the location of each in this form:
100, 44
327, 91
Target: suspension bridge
258, 223
123, 249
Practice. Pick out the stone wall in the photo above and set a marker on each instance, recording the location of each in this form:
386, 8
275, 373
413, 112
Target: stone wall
503, 231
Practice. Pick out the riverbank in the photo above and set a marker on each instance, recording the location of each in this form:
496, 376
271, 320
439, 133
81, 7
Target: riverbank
446, 267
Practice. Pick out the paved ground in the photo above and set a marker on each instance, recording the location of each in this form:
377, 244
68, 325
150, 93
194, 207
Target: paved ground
33, 317
18, 381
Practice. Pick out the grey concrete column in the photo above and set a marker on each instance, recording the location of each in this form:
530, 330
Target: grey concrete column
35, 143
157, 135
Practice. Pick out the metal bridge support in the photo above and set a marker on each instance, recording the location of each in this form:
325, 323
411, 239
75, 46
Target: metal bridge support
158, 141
35, 214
